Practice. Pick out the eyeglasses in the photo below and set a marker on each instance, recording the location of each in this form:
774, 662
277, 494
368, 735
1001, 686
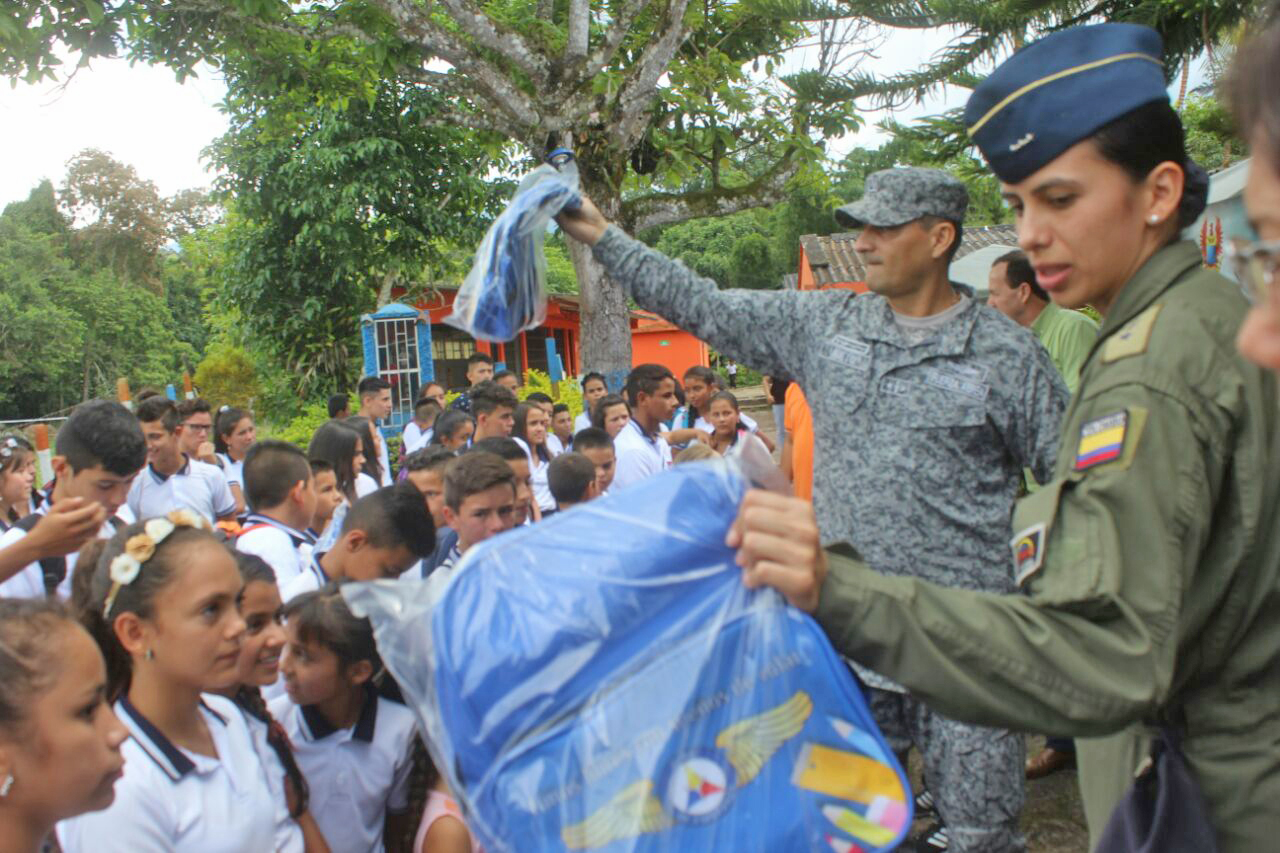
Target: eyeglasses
198, 427
1255, 266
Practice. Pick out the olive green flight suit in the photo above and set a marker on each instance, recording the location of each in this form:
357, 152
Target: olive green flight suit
1149, 567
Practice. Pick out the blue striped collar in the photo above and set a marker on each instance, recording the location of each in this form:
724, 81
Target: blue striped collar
318, 727
299, 537
169, 758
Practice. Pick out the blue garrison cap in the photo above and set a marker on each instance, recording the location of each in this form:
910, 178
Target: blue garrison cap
1060, 90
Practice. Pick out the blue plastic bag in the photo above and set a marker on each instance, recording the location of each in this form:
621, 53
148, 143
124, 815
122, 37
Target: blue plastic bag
603, 681
505, 291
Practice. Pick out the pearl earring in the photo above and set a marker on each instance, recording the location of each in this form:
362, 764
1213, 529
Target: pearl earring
6, 785
1154, 219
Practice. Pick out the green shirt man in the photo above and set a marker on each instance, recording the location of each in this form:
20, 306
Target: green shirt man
1067, 335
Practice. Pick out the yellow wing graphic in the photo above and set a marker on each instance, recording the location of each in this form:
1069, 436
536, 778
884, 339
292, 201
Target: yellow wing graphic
750, 743
634, 810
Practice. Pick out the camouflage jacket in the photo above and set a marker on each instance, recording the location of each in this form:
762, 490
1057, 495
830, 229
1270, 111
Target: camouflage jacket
918, 450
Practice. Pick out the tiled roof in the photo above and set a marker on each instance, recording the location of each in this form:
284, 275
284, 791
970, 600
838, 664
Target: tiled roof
833, 260
790, 281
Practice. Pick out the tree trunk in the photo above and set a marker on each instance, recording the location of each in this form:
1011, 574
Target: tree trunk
606, 319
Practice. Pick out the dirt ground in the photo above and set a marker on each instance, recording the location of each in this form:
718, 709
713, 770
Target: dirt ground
1053, 819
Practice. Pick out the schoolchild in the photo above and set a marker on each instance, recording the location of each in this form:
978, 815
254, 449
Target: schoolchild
531, 422
726, 423
172, 480
612, 414
371, 448
699, 384
282, 505
493, 407
59, 741
196, 417
375, 405
353, 745
382, 535
443, 828
642, 449
593, 388
341, 446
597, 445
426, 471
339, 407
417, 432
258, 669
162, 607
453, 430
328, 497
560, 439
18, 497
100, 449
233, 434
479, 501
479, 369
572, 480
542, 400
518, 461
507, 379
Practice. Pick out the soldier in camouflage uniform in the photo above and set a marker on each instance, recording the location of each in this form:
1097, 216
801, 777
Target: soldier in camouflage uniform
926, 407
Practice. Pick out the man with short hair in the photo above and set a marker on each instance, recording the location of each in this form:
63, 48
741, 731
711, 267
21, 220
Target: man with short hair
926, 407
642, 449
172, 480
479, 501
494, 410
479, 369
281, 494
196, 417
375, 404
1067, 335
595, 444
507, 379
338, 407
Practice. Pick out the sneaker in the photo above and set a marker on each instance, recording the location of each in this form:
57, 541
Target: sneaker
924, 804
932, 840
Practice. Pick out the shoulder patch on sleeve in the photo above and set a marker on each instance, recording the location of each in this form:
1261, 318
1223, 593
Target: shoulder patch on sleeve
1028, 552
1112, 438
1133, 338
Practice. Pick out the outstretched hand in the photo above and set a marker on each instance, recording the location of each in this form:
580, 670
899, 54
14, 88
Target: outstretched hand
586, 223
779, 546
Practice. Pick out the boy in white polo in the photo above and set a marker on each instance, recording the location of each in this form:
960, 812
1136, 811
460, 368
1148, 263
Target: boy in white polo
172, 480
99, 451
642, 450
353, 746
282, 501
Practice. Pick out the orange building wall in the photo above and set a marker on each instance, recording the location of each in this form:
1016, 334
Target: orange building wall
672, 348
806, 274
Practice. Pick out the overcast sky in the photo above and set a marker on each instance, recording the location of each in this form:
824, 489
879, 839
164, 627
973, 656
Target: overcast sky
142, 117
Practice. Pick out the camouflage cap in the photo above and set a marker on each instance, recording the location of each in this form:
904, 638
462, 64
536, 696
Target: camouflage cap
898, 196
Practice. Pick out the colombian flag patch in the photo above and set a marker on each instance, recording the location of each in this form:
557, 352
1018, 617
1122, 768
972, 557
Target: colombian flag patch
1101, 440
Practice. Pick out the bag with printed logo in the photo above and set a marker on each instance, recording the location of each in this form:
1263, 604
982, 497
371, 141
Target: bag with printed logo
603, 681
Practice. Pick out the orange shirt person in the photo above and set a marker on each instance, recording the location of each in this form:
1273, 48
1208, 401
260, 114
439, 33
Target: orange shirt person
797, 454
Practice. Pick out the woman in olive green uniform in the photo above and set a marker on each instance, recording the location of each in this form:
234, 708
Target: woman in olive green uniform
1150, 566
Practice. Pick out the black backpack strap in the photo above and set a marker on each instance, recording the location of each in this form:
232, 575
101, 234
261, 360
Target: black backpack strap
53, 568
118, 523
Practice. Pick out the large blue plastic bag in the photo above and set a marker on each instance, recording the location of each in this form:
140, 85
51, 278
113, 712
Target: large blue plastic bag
602, 680
505, 294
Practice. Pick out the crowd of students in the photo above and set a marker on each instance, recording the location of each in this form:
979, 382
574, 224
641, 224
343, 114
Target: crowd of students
178, 669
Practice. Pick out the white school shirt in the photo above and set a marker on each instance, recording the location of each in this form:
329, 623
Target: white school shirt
555, 446
29, 582
365, 485
288, 836
357, 775
232, 470
311, 578
171, 799
414, 438
746, 420
286, 550
638, 455
197, 486
538, 477
581, 422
